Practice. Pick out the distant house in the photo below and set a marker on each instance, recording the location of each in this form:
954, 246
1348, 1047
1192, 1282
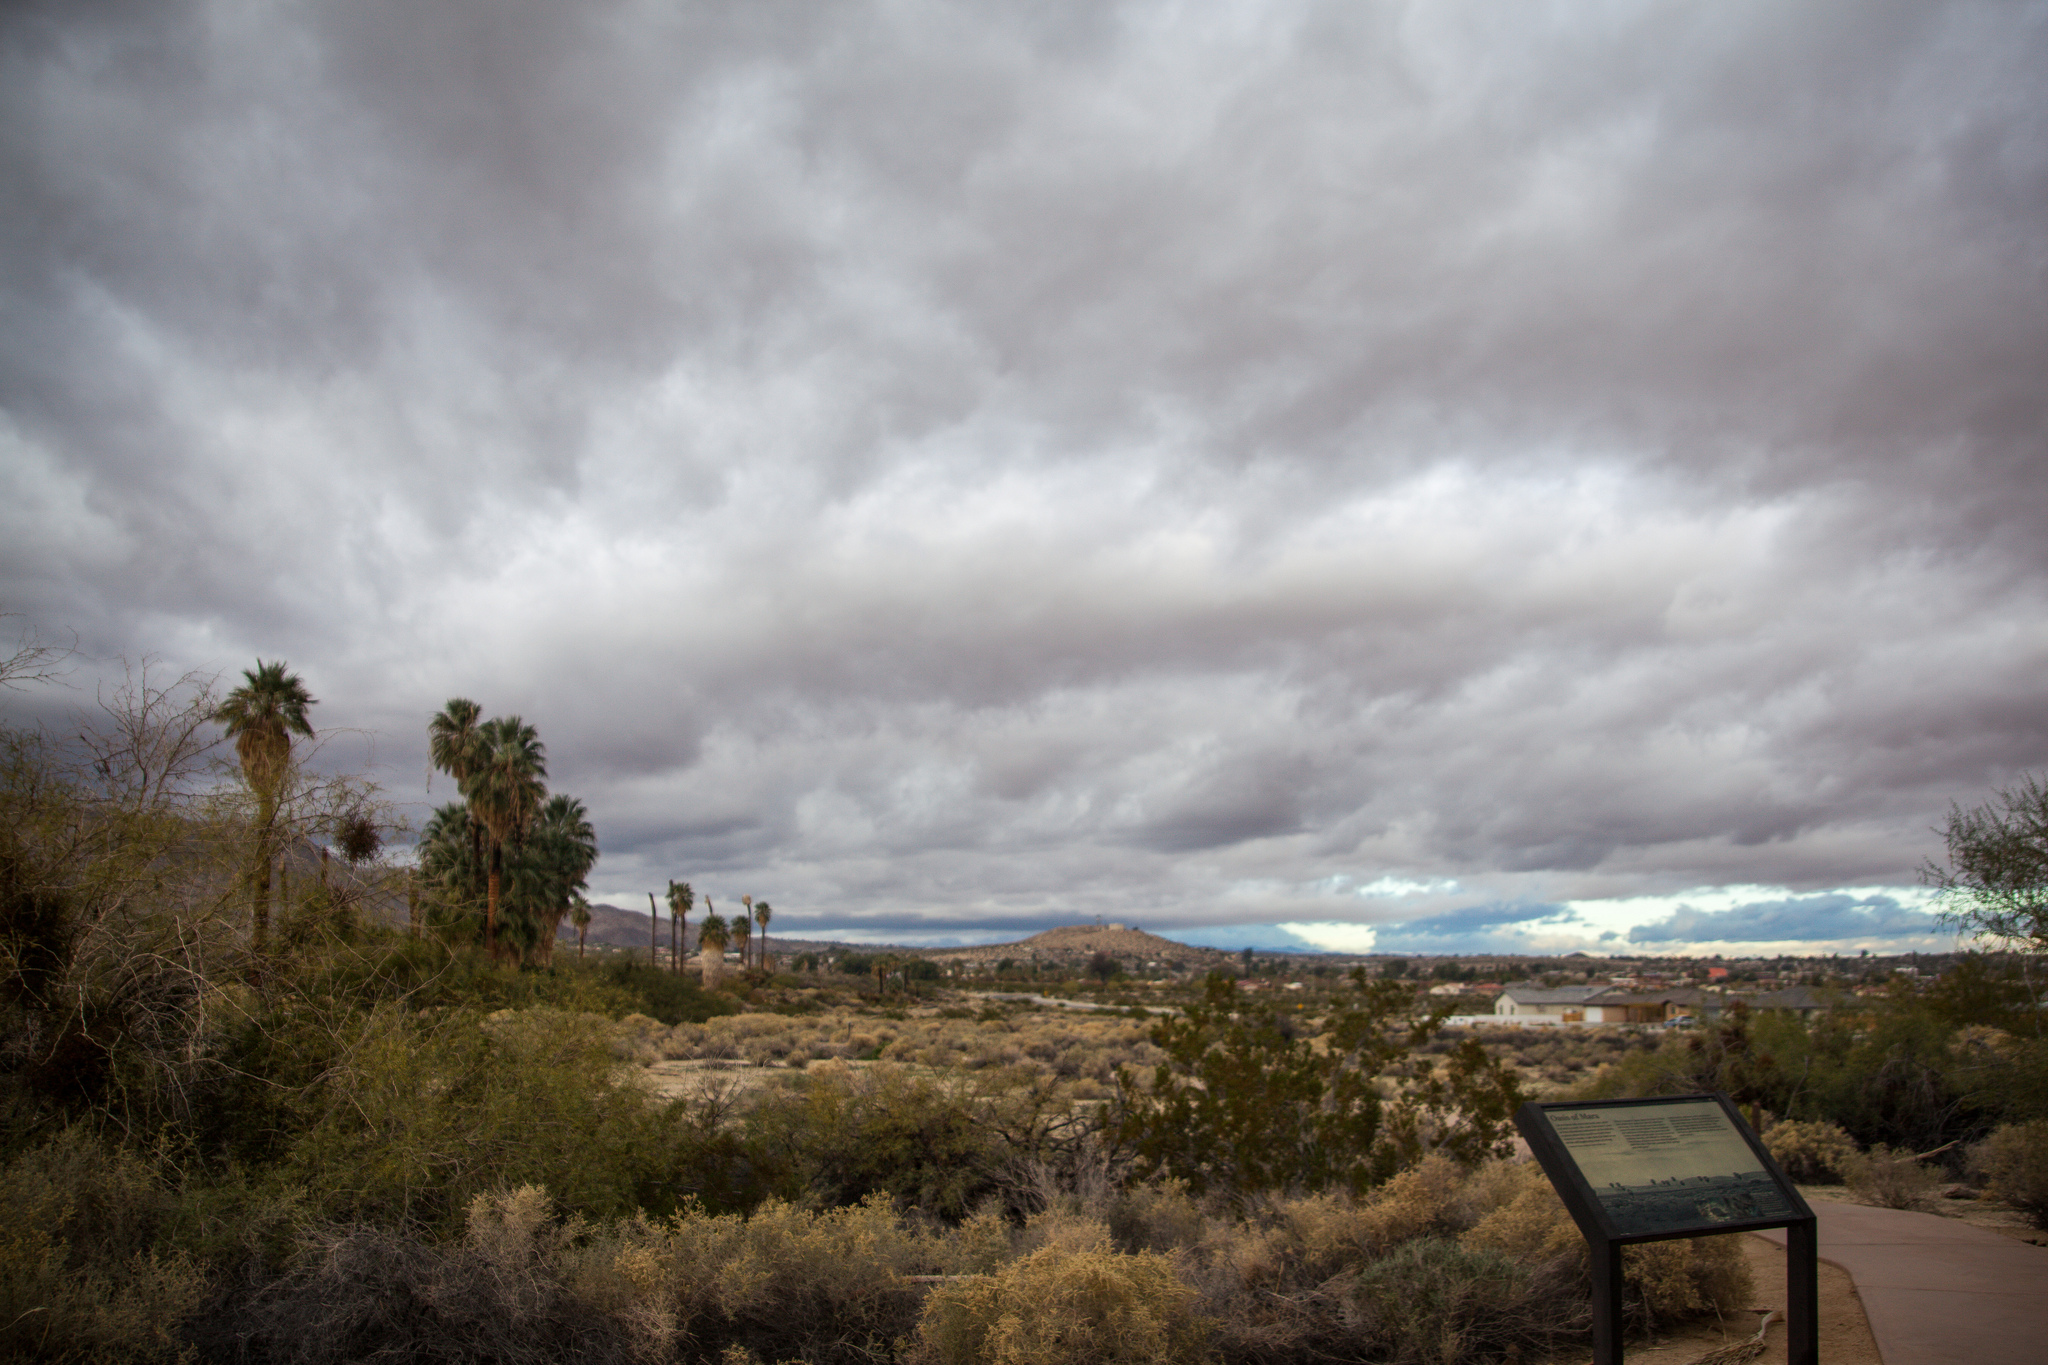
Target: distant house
1805, 1001
1643, 1006
1565, 1004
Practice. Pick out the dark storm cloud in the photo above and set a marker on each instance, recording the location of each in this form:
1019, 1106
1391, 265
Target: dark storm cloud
1003, 464
1802, 919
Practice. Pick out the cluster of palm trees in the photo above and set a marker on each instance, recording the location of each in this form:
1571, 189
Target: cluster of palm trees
715, 935
525, 854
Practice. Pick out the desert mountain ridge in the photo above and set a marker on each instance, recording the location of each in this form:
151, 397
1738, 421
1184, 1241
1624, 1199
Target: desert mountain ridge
1070, 942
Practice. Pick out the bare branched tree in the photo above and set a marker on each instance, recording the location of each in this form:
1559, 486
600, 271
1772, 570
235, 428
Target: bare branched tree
33, 660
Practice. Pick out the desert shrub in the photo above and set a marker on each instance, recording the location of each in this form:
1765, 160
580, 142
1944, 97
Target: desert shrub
982, 1242
1528, 1221
1430, 1198
764, 1051
1887, 1073
1811, 1153
497, 1295
839, 1137
1663, 1282
239, 1224
1154, 1216
670, 998
417, 1117
1244, 1103
1889, 1179
1434, 1302
1088, 1305
1668, 1282
79, 1279
786, 1282
1321, 1235
2014, 1164
1310, 1287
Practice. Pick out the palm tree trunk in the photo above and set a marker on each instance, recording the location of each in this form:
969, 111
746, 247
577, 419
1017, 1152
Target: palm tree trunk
582, 932
653, 933
259, 908
491, 902
412, 905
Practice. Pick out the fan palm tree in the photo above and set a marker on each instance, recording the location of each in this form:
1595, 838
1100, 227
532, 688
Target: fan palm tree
762, 912
711, 943
742, 929
261, 717
680, 899
452, 743
564, 845
505, 793
447, 852
453, 746
579, 915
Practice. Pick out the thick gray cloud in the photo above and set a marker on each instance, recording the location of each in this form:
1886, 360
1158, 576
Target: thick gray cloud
940, 465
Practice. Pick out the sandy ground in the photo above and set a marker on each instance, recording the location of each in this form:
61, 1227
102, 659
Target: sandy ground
682, 1080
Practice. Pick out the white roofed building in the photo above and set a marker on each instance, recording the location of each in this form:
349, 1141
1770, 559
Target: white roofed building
1566, 1004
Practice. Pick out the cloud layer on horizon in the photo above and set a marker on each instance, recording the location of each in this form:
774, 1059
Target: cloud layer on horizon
946, 467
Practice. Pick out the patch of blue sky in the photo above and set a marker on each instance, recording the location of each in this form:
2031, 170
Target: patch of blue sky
1767, 920
1706, 921
1494, 927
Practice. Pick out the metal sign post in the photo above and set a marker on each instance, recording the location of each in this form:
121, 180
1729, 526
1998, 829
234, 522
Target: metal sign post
1656, 1169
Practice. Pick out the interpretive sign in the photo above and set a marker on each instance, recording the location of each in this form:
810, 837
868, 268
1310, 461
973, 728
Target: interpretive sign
1672, 1168
1684, 1166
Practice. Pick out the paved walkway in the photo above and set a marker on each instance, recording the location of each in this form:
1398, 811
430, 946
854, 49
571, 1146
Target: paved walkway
1938, 1291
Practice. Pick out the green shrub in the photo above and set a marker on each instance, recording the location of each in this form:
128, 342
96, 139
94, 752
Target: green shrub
841, 1136
2014, 1163
79, 1279
415, 1118
1811, 1153
1245, 1103
665, 996
1064, 1305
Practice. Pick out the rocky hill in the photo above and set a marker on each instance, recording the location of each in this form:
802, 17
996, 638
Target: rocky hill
1077, 943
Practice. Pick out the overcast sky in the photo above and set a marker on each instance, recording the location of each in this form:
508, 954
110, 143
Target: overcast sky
1522, 476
